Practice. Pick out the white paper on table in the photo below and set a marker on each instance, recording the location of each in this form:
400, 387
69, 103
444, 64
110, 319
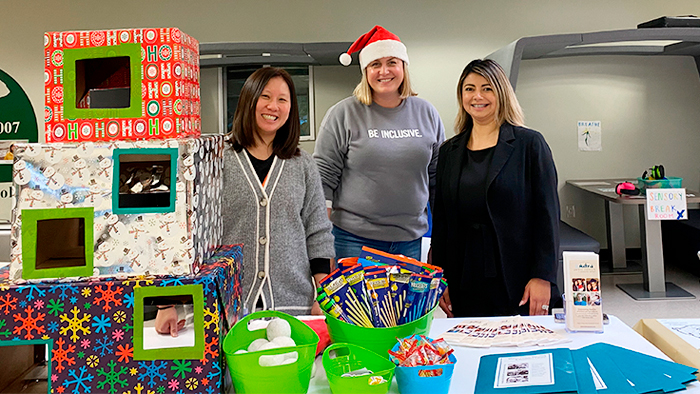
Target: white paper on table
535, 370
153, 340
666, 204
592, 183
687, 329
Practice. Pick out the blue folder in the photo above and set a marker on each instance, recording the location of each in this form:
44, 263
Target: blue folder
621, 371
563, 368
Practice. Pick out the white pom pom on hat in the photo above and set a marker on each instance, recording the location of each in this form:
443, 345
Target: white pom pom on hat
345, 59
375, 44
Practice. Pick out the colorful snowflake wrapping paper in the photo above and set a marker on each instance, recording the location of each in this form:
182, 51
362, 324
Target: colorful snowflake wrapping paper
89, 328
165, 80
81, 175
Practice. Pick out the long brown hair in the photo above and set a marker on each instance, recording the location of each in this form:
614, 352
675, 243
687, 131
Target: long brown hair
242, 135
508, 109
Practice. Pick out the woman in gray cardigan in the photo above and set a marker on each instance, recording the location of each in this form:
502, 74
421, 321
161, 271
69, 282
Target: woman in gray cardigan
274, 199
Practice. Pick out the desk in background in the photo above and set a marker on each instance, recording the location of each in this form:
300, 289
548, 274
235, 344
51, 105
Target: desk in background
464, 377
654, 285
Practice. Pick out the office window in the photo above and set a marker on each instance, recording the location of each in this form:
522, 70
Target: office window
302, 77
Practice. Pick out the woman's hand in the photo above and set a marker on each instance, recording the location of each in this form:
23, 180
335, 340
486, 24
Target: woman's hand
446, 304
167, 323
538, 292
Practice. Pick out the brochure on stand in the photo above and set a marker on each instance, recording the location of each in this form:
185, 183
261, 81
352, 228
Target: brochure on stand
583, 303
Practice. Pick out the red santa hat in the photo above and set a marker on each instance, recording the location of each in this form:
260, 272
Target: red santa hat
375, 44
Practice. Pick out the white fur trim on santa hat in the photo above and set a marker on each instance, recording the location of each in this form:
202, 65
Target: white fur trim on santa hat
380, 49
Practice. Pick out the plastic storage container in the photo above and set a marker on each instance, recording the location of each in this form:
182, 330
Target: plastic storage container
341, 358
670, 182
247, 374
380, 340
410, 382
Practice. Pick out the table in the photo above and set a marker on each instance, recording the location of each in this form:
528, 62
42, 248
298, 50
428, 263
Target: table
654, 284
681, 347
464, 377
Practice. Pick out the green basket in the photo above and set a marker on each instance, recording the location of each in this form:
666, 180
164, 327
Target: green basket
670, 182
341, 358
247, 374
380, 340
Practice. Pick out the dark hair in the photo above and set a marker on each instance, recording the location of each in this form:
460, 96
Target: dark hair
507, 109
242, 135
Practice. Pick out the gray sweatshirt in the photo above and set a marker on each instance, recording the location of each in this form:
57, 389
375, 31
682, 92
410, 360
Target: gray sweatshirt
378, 166
281, 224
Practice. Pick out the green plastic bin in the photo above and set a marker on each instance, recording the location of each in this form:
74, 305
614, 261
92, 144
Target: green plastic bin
341, 358
247, 374
670, 182
380, 340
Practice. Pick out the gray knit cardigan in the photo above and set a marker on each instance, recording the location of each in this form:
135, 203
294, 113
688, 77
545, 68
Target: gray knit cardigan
282, 226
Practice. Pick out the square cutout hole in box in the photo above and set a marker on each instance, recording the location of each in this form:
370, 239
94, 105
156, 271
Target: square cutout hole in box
163, 316
68, 250
29, 371
103, 82
188, 305
145, 180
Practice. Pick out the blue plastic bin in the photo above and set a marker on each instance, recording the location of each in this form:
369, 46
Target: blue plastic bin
410, 383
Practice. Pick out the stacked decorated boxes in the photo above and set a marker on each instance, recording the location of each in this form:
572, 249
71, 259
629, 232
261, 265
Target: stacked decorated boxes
115, 214
90, 187
95, 338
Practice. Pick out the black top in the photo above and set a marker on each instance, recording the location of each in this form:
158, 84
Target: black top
472, 186
480, 246
262, 167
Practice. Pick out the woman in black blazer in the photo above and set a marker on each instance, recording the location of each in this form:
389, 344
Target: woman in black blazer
496, 216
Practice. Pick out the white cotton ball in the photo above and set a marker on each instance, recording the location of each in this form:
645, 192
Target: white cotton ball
267, 346
271, 361
241, 351
278, 328
284, 341
256, 344
289, 361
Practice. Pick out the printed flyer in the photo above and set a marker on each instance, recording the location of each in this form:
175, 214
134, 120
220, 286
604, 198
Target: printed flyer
534, 370
584, 311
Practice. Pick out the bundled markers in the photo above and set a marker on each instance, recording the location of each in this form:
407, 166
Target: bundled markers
381, 290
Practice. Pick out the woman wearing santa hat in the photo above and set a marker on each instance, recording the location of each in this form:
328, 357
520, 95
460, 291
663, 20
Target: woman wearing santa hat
377, 154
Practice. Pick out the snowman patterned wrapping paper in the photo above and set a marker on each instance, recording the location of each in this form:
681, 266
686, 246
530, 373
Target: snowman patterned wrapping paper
61, 176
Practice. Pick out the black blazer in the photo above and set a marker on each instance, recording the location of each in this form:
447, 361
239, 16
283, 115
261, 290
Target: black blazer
521, 199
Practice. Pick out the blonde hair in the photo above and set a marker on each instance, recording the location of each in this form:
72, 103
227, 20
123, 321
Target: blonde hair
363, 92
507, 107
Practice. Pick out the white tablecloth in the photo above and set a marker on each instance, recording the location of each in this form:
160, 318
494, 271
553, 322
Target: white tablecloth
464, 378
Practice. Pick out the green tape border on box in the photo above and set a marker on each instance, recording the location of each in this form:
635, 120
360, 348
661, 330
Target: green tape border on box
70, 56
172, 152
195, 352
30, 217
49, 350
